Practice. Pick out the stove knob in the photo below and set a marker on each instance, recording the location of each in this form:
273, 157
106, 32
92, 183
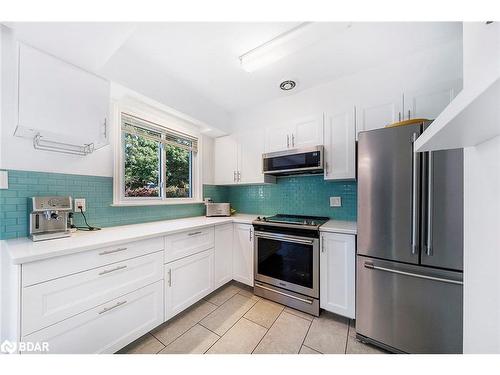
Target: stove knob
313, 222
258, 218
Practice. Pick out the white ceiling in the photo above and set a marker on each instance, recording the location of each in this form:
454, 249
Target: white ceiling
204, 57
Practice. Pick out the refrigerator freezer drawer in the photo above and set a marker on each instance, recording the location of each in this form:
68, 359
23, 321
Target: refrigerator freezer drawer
409, 308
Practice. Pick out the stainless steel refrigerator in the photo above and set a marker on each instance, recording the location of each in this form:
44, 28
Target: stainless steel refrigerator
409, 292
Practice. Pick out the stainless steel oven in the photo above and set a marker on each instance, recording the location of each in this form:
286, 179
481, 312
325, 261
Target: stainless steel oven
287, 265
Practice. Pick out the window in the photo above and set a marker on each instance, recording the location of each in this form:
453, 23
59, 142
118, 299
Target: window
157, 162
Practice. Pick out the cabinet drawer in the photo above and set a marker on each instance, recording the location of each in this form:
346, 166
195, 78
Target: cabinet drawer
107, 327
49, 269
50, 302
183, 244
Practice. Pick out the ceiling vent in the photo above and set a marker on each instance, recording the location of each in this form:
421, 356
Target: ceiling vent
287, 85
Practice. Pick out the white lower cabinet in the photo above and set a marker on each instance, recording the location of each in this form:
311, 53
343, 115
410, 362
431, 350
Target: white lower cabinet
107, 327
223, 254
337, 273
55, 300
187, 280
243, 254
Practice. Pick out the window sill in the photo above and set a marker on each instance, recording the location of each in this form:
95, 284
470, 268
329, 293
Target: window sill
156, 203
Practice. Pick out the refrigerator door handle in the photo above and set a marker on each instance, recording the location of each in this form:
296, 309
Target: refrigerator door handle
371, 266
414, 195
428, 248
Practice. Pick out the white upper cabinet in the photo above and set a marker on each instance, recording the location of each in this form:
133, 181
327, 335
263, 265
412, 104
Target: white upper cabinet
251, 148
378, 112
303, 132
225, 160
307, 132
277, 139
340, 145
238, 159
429, 103
338, 273
60, 101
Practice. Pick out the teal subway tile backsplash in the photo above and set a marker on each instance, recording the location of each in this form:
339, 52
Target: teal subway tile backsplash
303, 195
98, 191
299, 195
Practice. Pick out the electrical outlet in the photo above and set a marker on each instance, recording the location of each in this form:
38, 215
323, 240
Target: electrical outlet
80, 202
335, 202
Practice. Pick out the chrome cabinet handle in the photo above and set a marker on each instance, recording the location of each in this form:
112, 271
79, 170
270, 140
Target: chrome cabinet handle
371, 266
428, 248
414, 195
322, 244
287, 141
194, 233
106, 309
113, 251
239, 176
399, 116
409, 114
170, 277
293, 140
250, 235
234, 176
112, 270
326, 168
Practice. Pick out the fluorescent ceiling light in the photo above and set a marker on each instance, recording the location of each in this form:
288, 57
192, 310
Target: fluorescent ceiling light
277, 48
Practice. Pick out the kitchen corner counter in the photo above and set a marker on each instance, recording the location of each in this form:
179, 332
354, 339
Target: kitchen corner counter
24, 250
339, 226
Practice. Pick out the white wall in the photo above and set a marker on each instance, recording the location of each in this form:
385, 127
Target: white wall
400, 73
482, 205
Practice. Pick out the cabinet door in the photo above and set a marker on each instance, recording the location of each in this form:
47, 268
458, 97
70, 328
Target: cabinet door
428, 103
307, 132
225, 160
340, 146
337, 273
223, 254
188, 280
250, 153
377, 114
278, 139
243, 254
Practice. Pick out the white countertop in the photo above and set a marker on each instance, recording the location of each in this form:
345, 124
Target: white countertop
24, 250
339, 226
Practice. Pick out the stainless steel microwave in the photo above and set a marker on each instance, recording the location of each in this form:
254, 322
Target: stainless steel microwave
295, 161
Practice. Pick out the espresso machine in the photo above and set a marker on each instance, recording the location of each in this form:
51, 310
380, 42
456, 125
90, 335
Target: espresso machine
49, 217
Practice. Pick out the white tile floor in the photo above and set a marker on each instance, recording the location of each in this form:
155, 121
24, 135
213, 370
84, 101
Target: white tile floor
232, 320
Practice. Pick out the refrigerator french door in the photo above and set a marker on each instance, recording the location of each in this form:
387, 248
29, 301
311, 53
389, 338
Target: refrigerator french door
410, 243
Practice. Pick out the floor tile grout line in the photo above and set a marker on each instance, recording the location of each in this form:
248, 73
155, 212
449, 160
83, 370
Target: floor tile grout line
308, 347
198, 322
229, 327
268, 329
305, 336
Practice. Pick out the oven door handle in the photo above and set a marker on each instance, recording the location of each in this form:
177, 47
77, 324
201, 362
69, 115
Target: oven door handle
283, 238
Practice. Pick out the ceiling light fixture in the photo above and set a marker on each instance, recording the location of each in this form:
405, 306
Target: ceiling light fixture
287, 85
279, 47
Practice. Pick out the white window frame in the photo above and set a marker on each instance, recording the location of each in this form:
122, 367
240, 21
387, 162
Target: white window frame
162, 120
